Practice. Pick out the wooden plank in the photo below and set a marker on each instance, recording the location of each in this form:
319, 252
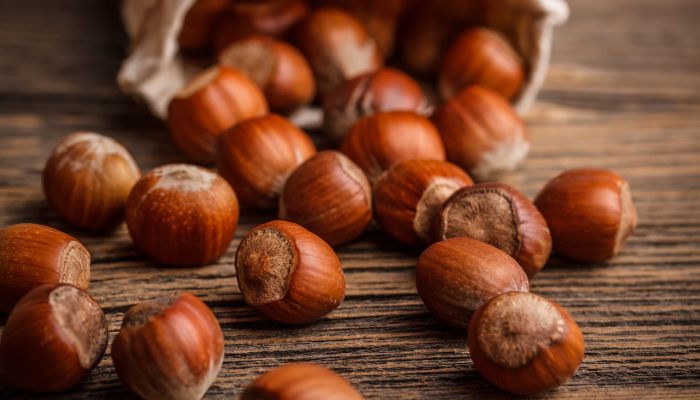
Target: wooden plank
623, 92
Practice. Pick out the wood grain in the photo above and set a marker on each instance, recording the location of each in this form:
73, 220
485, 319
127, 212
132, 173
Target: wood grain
623, 93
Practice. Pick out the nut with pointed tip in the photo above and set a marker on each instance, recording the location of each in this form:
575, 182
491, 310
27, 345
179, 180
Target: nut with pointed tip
524, 343
213, 101
482, 133
409, 193
590, 213
483, 57
379, 141
300, 381
277, 68
387, 89
499, 215
32, 255
330, 196
182, 215
337, 46
269, 18
289, 274
87, 180
171, 347
197, 26
456, 276
257, 156
53, 338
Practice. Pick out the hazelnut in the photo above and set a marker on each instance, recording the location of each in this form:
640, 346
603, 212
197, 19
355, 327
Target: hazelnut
387, 89
379, 17
257, 155
196, 32
212, 102
300, 381
182, 215
499, 215
169, 348
524, 343
32, 255
279, 69
456, 276
269, 18
54, 336
424, 38
330, 196
482, 133
590, 213
337, 46
483, 57
289, 274
377, 142
409, 193
87, 179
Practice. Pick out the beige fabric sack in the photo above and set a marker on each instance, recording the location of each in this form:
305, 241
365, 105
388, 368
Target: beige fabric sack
154, 72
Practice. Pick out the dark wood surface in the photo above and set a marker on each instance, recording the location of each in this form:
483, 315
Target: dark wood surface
623, 92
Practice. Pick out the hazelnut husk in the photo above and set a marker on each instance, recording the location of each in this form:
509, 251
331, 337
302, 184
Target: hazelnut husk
54, 337
330, 196
289, 274
182, 215
456, 276
386, 89
482, 133
32, 255
499, 215
87, 180
524, 343
590, 213
409, 193
257, 156
377, 142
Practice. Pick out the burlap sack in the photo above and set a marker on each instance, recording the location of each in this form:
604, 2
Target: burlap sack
154, 71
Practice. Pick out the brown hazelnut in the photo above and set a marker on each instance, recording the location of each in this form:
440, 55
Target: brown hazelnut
407, 195
379, 17
257, 155
482, 133
87, 179
377, 142
456, 276
54, 336
590, 213
270, 18
279, 70
196, 32
182, 215
32, 255
337, 46
330, 196
483, 57
524, 343
424, 37
171, 347
289, 274
300, 381
499, 215
387, 89
212, 102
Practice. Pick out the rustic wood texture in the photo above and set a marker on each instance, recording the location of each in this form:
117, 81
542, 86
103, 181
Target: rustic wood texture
623, 92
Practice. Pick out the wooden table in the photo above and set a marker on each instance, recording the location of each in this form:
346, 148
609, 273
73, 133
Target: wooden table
623, 92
